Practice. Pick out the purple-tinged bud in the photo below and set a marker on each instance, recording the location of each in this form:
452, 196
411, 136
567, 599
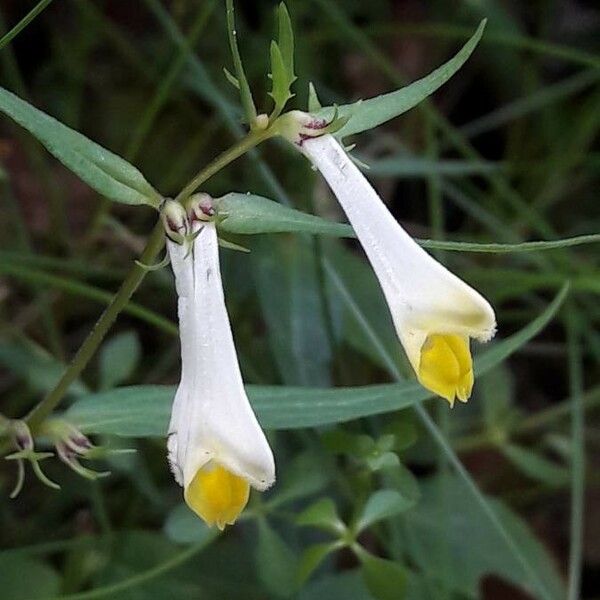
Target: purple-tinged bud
201, 208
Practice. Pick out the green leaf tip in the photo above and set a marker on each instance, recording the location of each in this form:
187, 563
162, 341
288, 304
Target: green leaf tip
373, 112
104, 171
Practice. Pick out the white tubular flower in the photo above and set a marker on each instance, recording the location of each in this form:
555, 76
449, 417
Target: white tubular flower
216, 446
434, 312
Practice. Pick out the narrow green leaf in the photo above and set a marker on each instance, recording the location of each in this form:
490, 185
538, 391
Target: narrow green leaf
107, 173
285, 40
280, 91
375, 111
535, 466
250, 214
141, 411
407, 166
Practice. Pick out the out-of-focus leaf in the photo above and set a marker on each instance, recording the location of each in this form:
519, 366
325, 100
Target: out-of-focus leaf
385, 579
351, 282
535, 466
382, 505
496, 391
288, 289
36, 367
475, 548
137, 552
350, 585
375, 111
184, 527
407, 166
322, 514
302, 477
118, 359
251, 214
276, 563
140, 411
26, 578
313, 557
102, 170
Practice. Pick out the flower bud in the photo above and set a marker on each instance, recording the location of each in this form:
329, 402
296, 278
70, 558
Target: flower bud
201, 208
175, 221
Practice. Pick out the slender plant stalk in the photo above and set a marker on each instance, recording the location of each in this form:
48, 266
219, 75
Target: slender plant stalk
577, 454
30, 16
110, 591
250, 141
131, 283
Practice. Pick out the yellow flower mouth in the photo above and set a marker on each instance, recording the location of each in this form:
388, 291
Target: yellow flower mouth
446, 367
217, 495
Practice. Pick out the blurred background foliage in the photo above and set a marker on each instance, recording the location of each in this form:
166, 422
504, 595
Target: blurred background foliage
505, 152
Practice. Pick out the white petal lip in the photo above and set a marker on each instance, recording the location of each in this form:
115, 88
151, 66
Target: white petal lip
423, 296
211, 417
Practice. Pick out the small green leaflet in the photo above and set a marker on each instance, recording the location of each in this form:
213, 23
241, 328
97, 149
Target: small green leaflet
107, 173
282, 60
367, 114
141, 411
249, 214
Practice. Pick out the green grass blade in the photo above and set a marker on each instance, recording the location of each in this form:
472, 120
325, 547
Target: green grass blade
30, 16
577, 454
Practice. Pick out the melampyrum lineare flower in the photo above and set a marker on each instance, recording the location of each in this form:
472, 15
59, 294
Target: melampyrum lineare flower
434, 312
217, 450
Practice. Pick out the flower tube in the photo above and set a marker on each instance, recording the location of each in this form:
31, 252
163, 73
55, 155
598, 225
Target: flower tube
216, 447
434, 312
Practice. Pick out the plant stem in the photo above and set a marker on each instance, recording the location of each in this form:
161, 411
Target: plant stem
578, 453
132, 281
250, 141
101, 328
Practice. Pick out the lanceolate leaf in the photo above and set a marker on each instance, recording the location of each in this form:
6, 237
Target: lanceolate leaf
249, 214
141, 411
102, 170
375, 111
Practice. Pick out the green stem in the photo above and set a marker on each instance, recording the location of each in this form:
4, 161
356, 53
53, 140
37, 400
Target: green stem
103, 325
247, 143
578, 454
30, 16
110, 591
132, 281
